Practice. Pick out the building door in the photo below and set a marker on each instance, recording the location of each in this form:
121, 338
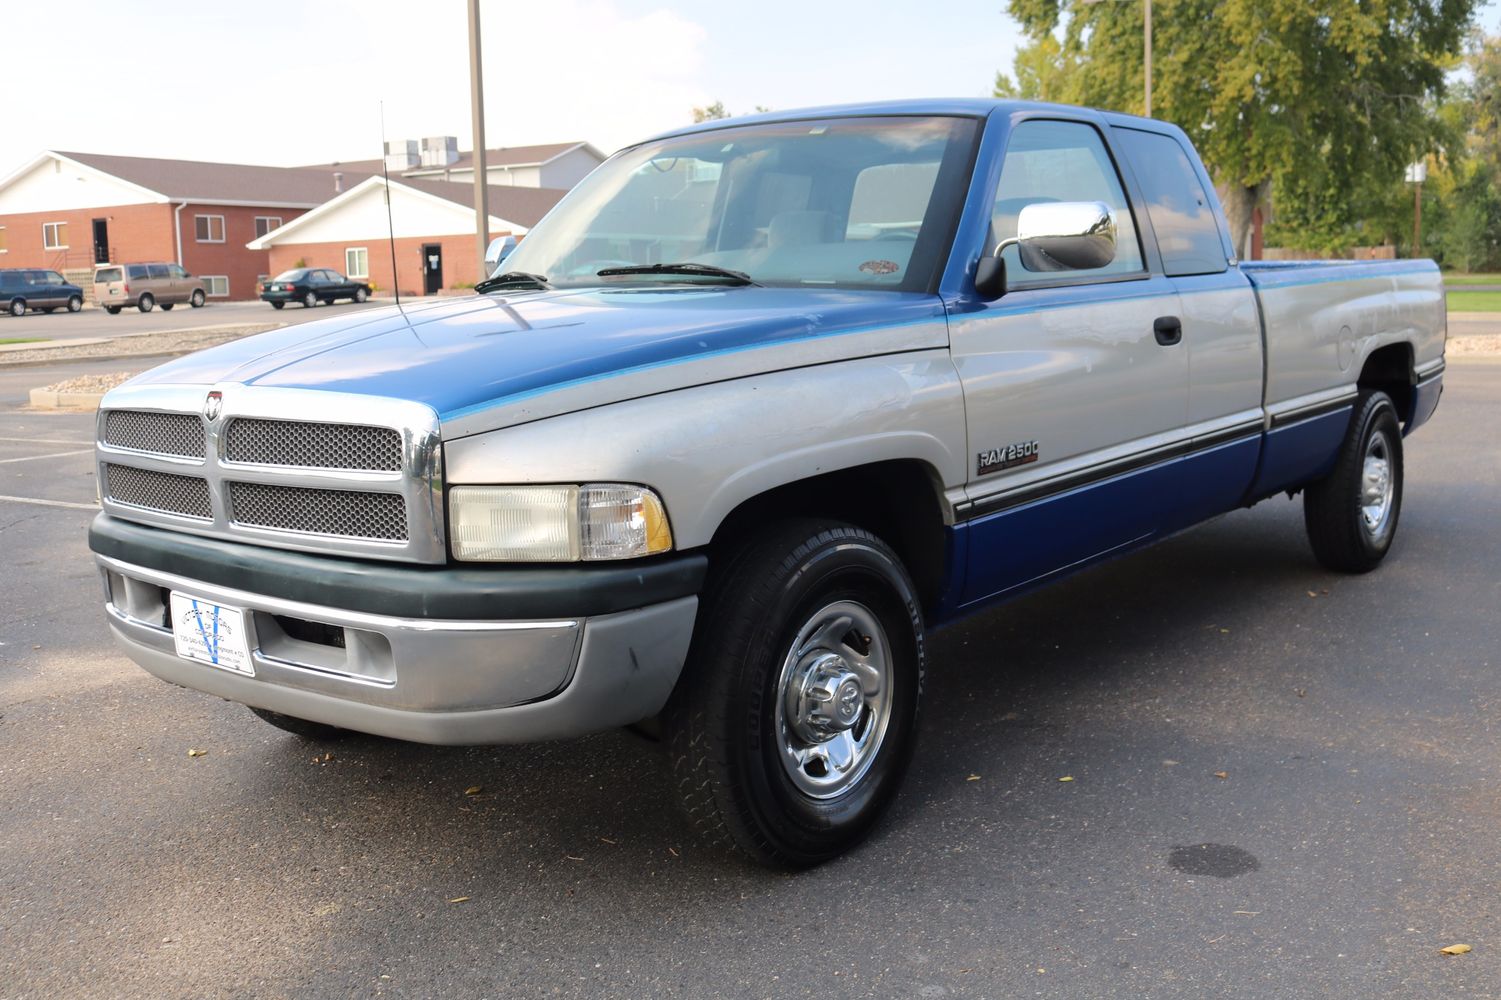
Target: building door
101, 241
432, 268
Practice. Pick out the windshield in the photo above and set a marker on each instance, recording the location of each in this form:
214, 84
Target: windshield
845, 203
292, 275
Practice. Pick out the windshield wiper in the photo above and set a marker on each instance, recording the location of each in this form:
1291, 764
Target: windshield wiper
686, 268
511, 278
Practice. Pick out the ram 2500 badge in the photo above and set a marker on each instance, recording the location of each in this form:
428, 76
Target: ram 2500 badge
756, 407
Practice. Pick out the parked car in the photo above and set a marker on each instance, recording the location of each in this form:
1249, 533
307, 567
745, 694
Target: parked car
312, 285
146, 286
37, 289
906, 360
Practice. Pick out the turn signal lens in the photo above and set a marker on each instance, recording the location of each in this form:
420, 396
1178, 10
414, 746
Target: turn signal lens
593, 522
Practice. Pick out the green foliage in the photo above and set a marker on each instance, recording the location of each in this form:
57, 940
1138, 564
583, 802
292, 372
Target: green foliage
1325, 100
711, 113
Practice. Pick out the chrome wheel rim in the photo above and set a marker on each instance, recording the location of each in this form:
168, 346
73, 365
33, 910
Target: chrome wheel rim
1376, 486
833, 699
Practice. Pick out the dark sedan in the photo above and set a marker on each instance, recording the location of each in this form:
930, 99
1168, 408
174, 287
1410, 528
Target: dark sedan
312, 285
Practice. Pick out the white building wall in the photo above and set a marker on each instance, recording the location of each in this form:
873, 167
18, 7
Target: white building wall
56, 186
568, 169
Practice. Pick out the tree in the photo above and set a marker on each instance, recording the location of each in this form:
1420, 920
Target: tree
711, 113
1326, 99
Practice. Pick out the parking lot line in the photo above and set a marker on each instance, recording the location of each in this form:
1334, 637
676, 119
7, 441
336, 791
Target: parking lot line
50, 503
26, 440
55, 454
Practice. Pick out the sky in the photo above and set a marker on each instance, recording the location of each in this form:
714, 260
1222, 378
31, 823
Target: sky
291, 82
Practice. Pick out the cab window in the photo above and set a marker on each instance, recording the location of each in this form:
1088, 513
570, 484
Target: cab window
1049, 161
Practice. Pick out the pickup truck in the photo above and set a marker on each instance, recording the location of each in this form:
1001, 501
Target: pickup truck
757, 406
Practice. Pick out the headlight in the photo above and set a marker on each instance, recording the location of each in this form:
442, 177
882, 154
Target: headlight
556, 523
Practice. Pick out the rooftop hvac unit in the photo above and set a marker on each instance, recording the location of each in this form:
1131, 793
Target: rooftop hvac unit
401, 154
440, 151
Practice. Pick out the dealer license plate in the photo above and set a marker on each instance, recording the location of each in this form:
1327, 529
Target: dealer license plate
211, 633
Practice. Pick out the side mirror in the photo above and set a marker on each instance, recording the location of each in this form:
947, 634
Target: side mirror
1064, 236
500, 248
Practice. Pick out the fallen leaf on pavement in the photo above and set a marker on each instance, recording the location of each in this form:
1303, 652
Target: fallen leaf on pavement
973, 777
459, 899
1067, 777
1455, 949
474, 789
195, 752
1222, 775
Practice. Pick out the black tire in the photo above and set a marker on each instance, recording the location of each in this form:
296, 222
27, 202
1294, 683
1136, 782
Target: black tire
1337, 510
113, 310
726, 738
320, 732
75, 303
46, 309
360, 295
146, 303
196, 300
309, 300
278, 305
167, 306
18, 307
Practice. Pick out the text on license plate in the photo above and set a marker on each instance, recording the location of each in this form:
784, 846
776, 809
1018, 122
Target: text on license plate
211, 633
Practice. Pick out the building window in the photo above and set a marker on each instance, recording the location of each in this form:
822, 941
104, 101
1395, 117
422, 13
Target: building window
55, 235
210, 228
216, 285
265, 223
357, 262
3, 247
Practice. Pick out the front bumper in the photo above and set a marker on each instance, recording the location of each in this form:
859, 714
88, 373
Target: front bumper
358, 657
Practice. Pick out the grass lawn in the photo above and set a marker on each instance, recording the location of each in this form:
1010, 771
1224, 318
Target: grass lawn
1475, 301
21, 340
1458, 280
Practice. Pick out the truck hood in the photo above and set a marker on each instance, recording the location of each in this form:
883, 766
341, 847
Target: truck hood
486, 361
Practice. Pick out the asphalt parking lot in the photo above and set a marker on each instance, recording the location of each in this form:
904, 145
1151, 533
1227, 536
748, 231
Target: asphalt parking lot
1285, 783
95, 322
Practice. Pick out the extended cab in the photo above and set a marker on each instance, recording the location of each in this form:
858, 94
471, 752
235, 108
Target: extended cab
756, 407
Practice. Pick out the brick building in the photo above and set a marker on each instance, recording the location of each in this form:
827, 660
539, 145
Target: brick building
432, 223
71, 211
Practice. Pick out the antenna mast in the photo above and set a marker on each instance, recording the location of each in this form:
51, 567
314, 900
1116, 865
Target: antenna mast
390, 226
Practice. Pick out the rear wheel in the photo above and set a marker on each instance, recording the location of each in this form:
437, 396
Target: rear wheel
1351, 514
197, 299
278, 305
75, 303
316, 731
113, 310
146, 303
18, 307
794, 721
167, 306
309, 300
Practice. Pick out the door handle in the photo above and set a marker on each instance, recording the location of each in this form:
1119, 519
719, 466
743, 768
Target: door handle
1169, 330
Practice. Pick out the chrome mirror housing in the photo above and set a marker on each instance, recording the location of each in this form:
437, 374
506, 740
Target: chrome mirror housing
499, 249
1064, 236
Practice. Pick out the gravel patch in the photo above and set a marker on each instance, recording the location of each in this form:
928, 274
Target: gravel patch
1489, 343
89, 383
152, 343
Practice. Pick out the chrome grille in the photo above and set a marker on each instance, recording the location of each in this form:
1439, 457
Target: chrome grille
187, 496
313, 445
160, 433
347, 514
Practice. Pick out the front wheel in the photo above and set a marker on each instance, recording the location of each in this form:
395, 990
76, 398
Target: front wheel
113, 310
1351, 514
794, 721
167, 306
75, 303
309, 300
360, 295
197, 300
277, 305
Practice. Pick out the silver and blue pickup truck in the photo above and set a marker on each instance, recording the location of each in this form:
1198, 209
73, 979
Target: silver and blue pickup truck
756, 407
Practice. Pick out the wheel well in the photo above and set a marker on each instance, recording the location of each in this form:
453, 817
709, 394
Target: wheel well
1390, 370
899, 502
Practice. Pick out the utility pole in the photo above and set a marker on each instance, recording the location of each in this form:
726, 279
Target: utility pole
1147, 17
477, 108
1417, 173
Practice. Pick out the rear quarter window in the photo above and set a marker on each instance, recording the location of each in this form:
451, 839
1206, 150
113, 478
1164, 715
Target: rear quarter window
136, 271
1183, 217
159, 271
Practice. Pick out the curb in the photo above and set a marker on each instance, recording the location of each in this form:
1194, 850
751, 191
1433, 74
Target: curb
43, 399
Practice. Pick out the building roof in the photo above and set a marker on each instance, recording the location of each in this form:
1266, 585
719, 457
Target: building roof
229, 183
505, 156
522, 205
516, 207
